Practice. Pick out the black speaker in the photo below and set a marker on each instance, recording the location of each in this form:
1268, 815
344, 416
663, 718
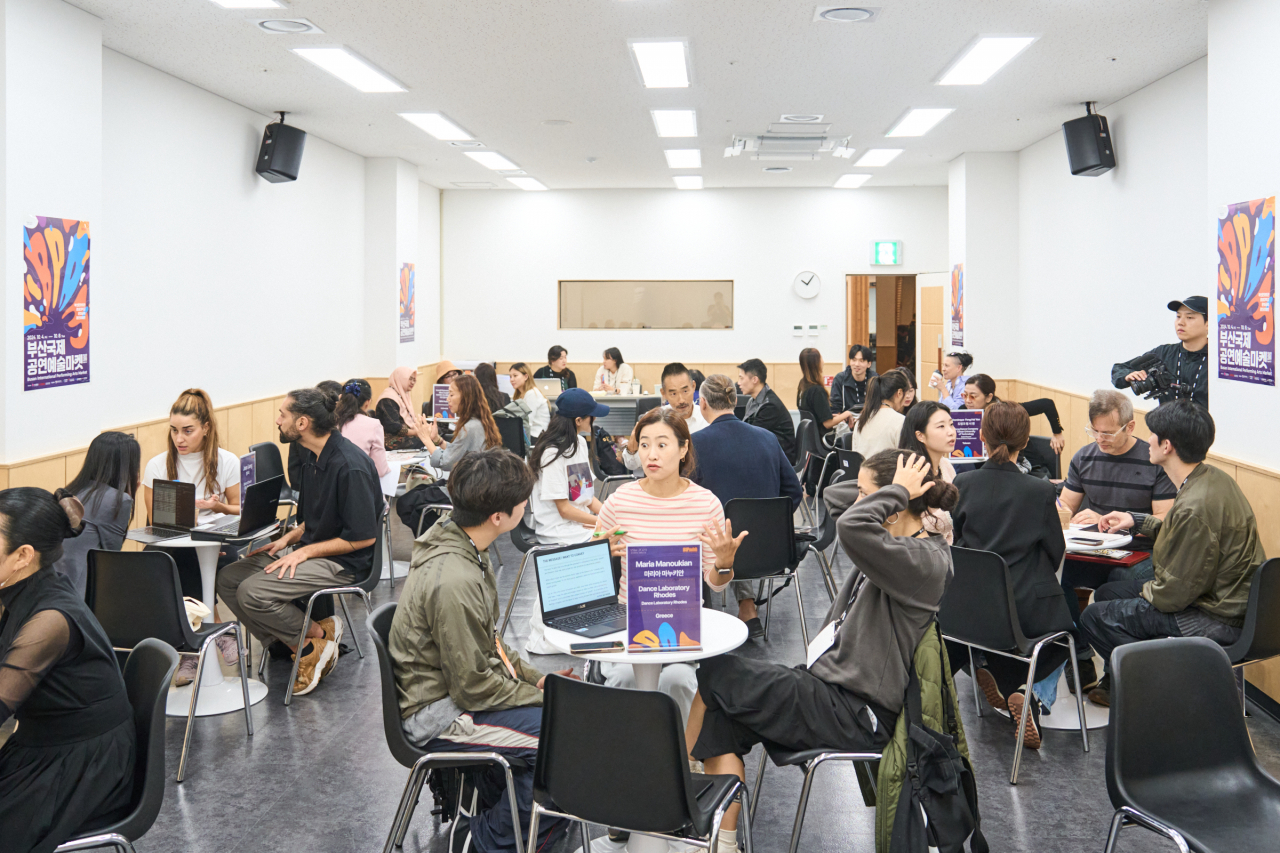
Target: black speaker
281, 152
1089, 148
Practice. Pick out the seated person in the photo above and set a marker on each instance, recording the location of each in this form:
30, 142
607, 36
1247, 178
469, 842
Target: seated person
667, 507
811, 394
738, 460
879, 427
71, 759
928, 431
765, 408
475, 429
849, 388
446, 372
910, 399
1016, 517
402, 429
487, 376
1115, 474
613, 375
980, 391
529, 403
340, 506
460, 687
849, 697
357, 427
557, 367
563, 504
1206, 550
677, 395
105, 486
950, 381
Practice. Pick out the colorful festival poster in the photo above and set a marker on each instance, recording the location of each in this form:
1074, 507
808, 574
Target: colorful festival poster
55, 301
440, 403
957, 305
968, 426
664, 597
407, 295
1246, 290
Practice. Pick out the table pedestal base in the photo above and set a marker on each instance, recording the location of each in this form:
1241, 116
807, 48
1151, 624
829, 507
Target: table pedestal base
222, 697
1064, 717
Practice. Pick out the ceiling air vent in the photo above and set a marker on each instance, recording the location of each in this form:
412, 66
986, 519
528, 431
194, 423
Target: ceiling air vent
847, 14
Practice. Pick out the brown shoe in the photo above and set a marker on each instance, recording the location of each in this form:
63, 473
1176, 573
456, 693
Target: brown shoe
1030, 737
987, 683
332, 627
313, 666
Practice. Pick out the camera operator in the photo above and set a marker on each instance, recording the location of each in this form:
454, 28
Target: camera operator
1173, 371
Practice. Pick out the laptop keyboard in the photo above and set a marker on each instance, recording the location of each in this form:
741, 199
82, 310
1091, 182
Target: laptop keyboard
229, 529
592, 617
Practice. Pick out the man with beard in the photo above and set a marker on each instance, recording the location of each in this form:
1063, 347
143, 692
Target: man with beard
339, 507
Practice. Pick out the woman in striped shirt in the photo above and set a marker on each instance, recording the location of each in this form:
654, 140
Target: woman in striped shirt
666, 507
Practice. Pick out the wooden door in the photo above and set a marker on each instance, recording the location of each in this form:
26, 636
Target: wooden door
857, 330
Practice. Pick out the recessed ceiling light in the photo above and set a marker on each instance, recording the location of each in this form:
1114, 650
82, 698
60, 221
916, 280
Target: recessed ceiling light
800, 118
878, 157
475, 185
688, 182
777, 168
918, 122
468, 143
557, 122
491, 160
527, 183
509, 172
436, 125
287, 26
671, 123
349, 68
846, 14
851, 182
249, 4
684, 158
662, 64
982, 59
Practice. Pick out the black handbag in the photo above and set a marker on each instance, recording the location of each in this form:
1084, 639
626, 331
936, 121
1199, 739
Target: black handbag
938, 784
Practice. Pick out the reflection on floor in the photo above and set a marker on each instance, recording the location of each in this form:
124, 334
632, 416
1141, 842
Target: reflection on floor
317, 777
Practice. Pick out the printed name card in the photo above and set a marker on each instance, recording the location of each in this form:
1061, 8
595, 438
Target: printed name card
968, 426
664, 597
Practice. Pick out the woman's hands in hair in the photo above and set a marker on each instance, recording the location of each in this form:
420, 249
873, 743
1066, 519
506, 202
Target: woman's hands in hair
1057, 442
911, 473
722, 542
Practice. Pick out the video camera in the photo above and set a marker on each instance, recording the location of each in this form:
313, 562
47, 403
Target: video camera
1160, 384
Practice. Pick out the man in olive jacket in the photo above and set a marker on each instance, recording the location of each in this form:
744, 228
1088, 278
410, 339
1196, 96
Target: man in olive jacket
1206, 550
460, 687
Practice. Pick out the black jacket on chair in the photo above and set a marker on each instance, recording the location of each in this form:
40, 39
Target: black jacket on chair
1004, 511
774, 417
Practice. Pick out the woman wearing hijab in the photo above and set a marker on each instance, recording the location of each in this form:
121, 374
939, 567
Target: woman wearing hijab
404, 430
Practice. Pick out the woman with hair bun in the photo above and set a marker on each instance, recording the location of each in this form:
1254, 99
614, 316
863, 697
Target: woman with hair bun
71, 759
356, 425
1016, 517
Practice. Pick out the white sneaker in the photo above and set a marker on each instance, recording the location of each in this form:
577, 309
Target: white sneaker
186, 671
227, 646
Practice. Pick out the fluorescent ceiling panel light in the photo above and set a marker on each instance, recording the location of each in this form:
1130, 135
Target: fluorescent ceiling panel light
983, 59
688, 182
349, 68
673, 123
491, 160
878, 157
684, 158
662, 64
918, 122
437, 125
527, 183
249, 4
851, 182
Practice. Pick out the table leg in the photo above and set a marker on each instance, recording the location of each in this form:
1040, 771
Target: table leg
647, 675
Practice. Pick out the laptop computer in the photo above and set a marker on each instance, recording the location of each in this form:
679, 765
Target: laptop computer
257, 510
550, 388
173, 511
578, 590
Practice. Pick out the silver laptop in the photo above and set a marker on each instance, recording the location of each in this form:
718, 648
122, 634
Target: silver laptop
550, 388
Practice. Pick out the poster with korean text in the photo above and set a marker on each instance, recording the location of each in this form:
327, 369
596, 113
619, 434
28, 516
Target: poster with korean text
957, 305
664, 597
968, 424
1246, 289
55, 302
407, 298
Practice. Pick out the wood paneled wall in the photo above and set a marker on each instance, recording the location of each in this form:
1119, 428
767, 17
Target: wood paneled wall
783, 378
929, 332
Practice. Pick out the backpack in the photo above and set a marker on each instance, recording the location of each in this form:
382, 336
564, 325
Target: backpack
606, 453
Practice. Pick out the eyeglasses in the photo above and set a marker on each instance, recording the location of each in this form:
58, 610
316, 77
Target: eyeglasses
1095, 435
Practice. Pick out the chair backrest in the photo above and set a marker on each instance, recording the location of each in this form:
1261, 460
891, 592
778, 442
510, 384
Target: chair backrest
512, 432
147, 673
267, 462
1039, 451
136, 595
644, 404
806, 441
1260, 637
644, 782
822, 518
523, 536
740, 408
850, 463
978, 606
770, 546
379, 625
845, 442
1176, 729
370, 581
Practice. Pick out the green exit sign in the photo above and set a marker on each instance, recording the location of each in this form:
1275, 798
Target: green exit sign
886, 252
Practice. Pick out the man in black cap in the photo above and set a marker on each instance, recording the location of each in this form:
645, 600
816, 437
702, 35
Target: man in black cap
1186, 364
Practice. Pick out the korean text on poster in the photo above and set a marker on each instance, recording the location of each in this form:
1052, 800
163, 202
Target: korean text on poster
968, 424
664, 597
55, 302
1246, 289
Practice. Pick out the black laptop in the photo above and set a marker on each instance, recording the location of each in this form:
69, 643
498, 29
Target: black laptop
258, 507
579, 590
173, 511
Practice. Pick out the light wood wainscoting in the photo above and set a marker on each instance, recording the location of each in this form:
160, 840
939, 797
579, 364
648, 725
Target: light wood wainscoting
783, 378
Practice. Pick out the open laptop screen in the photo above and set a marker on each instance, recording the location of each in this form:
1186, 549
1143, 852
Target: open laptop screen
574, 576
173, 504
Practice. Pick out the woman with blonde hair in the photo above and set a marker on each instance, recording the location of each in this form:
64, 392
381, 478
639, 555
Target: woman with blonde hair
535, 411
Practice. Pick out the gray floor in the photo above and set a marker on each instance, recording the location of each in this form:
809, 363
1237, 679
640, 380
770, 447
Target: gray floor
317, 777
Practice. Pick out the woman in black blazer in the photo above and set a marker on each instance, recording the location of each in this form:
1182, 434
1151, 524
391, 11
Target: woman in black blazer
1013, 515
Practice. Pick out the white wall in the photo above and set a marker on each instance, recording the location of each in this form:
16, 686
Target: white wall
505, 252
428, 281
1101, 257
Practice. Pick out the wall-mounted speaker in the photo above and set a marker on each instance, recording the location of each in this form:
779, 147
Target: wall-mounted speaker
280, 154
1089, 148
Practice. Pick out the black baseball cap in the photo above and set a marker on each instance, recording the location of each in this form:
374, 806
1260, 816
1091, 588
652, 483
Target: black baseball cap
1199, 304
578, 403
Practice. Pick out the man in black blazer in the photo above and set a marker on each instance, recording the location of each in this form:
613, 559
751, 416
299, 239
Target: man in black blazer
765, 409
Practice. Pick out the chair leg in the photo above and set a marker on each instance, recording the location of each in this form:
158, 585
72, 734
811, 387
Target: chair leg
346, 614
1075, 674
262, 662
534, 812
827, 580
584, 833
755, 793
1244, 706
244, 682
804, 628
1117, 824
515, 812
297, 656
191, 710
404, 811
800, 809
768, 607
745, 818
1026, 713
515, 588
386, 549
973, 679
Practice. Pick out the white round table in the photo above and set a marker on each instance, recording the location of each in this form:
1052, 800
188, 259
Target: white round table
1109, 540
720, 633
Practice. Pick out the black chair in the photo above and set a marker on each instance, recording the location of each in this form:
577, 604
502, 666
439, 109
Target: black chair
806, 440
809, 761
361, 588
850, 464
1260, 637
147, 673
824, 527
740, 408
512, 432
645, 404
267, 464
526, 543
770, 553
978, 611
136, 596
845, 442
645, 786
421, 762
1039, 452
1179, 759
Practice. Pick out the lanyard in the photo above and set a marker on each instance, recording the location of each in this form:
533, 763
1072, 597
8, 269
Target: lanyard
502, 653
1196, 379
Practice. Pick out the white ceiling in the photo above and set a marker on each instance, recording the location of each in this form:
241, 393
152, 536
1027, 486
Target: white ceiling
500, 69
